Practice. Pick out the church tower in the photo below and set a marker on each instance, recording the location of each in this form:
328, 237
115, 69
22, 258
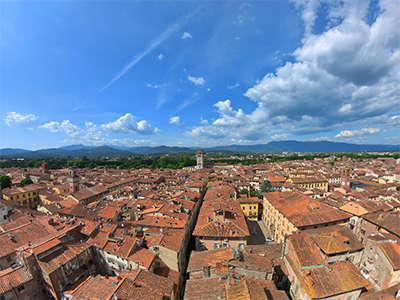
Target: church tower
345, 178
73, 179
199, 155
45, 167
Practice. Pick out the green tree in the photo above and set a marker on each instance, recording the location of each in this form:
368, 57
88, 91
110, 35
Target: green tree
332, 163
267, 187
244, 191
24, 182
254, 194
163, 161
398, 188
5, 181
37, 164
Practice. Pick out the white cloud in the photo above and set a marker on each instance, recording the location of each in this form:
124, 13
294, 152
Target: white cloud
160, 56
18, 118
29, 128
351, 68
348, 133
127, 124
345, 75
175, 120
66, 126
197, 80
345, 109
156, 86
186, 35
230, 87
204, 122
279, 136
236, 124
322, 138
207, 131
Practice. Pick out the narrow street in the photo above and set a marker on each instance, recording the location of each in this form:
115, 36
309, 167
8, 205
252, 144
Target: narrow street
258, 232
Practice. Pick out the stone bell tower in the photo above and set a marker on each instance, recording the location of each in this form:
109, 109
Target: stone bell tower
199, 156
345, 178
73, 179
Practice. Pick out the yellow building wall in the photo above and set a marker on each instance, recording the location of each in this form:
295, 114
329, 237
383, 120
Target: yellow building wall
250, 210
28, 199
282, 226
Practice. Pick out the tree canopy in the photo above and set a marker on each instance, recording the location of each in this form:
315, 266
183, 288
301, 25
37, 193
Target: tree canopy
267, 187
25, 181
5, 181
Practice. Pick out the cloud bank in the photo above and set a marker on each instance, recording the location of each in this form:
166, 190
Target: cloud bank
346, 75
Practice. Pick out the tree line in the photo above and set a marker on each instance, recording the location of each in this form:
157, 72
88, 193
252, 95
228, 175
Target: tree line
132, 162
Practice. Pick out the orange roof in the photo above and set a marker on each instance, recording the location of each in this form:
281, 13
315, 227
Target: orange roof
12, 278
392, 252
302, 210
354, 208
244, 290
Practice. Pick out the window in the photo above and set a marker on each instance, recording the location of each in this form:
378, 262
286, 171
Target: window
296, 289
20, 288
34, 193
29, 194
155, 248
255, 207
363, 231
216, 246
68, 265
12, 198
8, 258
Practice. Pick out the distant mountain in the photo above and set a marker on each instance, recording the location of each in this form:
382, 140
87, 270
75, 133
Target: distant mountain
272, 147
266, 148
14, 151
325, 146
76, 147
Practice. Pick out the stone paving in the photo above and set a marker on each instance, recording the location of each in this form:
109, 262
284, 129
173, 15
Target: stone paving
258, 232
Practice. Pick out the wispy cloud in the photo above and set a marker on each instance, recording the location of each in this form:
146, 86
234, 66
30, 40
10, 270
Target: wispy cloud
151, 46
18, 118
186, 35
160, 56
155, 86
230, 87
197, 80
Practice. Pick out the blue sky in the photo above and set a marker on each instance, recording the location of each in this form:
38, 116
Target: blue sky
193, 73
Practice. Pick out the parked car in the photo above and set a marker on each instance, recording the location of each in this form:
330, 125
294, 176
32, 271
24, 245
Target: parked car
269, 240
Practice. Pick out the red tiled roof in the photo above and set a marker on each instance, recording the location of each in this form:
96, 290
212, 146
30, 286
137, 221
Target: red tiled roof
12, 278
302, 210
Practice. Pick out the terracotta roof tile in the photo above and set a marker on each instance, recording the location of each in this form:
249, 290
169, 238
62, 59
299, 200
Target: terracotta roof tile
12, 278
302, 210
